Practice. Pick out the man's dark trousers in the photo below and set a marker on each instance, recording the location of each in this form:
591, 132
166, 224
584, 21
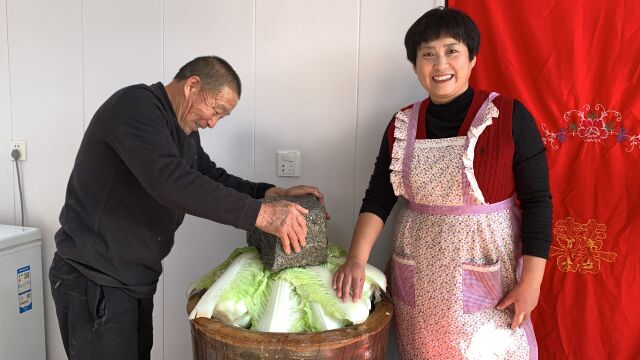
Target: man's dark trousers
99, 322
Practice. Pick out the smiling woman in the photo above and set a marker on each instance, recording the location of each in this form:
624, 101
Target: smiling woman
443, 68
460, 157
443, 52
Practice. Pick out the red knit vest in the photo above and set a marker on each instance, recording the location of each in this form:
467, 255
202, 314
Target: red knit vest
493, 162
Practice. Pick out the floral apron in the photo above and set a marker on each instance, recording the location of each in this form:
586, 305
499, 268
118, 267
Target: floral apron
455, 256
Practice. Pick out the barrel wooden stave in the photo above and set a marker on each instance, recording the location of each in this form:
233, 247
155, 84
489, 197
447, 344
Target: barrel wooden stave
215, 340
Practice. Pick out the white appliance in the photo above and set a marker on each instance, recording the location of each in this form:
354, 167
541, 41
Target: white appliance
21, 303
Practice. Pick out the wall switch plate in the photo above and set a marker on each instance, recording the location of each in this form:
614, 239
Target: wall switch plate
20, 146
288, 163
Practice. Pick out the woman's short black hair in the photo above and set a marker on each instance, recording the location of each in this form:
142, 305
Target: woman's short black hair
438, 23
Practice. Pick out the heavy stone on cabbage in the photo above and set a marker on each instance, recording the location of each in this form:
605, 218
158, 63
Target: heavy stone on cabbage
313, 253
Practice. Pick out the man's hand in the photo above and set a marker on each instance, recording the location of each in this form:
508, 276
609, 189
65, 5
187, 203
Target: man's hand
298, 191
349, 280
286, 221
524, 298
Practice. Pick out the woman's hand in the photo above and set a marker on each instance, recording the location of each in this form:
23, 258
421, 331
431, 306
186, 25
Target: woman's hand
349, 280
298, 190
524, 298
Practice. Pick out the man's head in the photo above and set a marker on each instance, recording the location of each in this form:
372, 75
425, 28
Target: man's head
214, 72
203, 91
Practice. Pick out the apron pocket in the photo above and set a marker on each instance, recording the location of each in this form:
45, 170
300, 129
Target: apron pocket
481, 287
402, 279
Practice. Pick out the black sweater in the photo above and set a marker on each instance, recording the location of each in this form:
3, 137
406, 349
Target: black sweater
135, 176
529, 166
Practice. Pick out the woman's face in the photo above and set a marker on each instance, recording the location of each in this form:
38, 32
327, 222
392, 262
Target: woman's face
443, 68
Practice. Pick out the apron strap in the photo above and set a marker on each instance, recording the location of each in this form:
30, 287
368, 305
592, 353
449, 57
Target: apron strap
468, 197
408, 150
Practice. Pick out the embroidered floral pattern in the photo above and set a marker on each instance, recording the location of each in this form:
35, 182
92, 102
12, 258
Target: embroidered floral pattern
580, 246
595, 125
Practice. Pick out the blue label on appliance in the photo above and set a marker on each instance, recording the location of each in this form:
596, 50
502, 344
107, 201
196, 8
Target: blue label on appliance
24, 289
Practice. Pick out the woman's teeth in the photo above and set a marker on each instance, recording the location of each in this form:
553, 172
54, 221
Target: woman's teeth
442, 77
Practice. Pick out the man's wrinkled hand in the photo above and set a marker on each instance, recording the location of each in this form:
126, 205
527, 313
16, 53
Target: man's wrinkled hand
286, 221
298, 190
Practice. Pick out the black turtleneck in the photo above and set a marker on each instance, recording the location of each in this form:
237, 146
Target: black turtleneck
444, 120
529, 166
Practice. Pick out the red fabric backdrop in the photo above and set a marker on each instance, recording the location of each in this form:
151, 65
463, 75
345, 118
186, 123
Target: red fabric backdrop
575, 66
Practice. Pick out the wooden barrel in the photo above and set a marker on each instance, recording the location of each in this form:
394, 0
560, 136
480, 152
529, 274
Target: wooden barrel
213, 339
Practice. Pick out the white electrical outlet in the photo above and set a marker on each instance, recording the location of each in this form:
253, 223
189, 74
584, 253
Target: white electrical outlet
288, 163
21, 146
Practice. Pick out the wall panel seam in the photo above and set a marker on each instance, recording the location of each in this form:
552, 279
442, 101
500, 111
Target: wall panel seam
357, 119
6, 14
82, 65
253, 90
162, 76
13, 173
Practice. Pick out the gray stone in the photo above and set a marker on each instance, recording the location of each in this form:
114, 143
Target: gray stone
313, 253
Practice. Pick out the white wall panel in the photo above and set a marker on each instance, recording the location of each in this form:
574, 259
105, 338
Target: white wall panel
45, 57
386, 83
122, 45
222, 28
306, 66
6, 165
225, 29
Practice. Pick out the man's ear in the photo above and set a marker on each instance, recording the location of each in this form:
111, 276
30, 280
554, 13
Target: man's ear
191, 84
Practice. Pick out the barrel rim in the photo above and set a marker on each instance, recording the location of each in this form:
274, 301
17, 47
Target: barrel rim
377, 321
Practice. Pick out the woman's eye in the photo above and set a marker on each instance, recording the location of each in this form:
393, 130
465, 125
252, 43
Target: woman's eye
453, 51
428, 54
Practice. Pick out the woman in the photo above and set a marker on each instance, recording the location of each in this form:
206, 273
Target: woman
459, 157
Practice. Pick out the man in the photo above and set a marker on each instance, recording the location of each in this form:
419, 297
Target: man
139, 169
